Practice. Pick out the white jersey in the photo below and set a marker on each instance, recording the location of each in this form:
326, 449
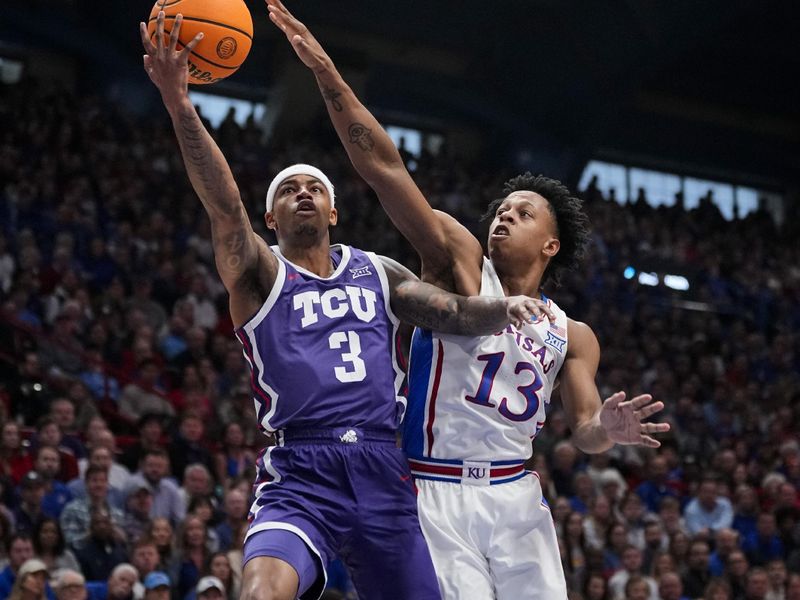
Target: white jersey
481, 400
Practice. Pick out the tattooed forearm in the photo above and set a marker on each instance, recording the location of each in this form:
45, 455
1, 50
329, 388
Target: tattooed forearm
428, 307
331, 95
205, 165
361, 135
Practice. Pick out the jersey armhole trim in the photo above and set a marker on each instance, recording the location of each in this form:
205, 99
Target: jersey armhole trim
376, 261
262, 313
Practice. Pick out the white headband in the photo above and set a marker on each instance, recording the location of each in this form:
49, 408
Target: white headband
298, 169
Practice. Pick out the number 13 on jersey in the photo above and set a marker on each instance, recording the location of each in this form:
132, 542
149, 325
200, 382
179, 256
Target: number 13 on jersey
528, 391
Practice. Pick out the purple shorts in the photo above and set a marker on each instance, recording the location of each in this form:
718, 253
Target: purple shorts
344, 492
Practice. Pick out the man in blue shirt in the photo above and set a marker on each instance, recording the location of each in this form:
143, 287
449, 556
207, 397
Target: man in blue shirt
709, 511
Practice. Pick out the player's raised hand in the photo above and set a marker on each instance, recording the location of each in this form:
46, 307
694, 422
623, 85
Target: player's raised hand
306, 46
524, 309
624, 421
167, 66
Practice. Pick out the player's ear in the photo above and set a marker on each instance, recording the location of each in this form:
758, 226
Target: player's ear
333, 218
551, 247
269, 219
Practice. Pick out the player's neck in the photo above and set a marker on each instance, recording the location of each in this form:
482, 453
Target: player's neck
524, 283
316, 258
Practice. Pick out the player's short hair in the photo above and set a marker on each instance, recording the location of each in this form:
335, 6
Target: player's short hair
572, 224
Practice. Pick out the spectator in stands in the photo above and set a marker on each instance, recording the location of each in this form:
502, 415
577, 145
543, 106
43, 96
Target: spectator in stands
565, 463
208, 588
60, 353
597, 522
161, 534
595, 587
101, 549
51, 549
101, 384
765, 545
736, 571
154, 313
235, 510
726, 541
718, 589
76, 517
167, 501
138, 504
188, 446
746, 513
655, 487
62, 410
56, 495
778, 579
631, 567
157, 586
219, 566
29, 393
151, 430
15, 461
48, 433
669, 513
632, 514
234, 459
19, 550
238, 407
756, 584
71, 585
698, 573
144, 395
637, 588
103, 453
615, 544
583, 487
708, 511
193, 544
655, 542
144, 556
119, 586
28, 513
31, 582
193, 394
793, 587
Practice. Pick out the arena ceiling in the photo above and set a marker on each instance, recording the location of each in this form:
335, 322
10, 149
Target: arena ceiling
684, 82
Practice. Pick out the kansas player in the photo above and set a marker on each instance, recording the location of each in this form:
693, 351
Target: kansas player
475, 404
317, 325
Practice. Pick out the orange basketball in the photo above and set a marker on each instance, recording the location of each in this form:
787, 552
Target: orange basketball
228, 30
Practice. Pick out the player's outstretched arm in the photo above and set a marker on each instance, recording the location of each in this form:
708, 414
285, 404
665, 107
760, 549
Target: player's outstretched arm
374, 155
424, 305
237, 249
598, 425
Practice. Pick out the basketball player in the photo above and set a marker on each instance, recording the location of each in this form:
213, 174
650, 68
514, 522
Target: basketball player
317, 324
475, 404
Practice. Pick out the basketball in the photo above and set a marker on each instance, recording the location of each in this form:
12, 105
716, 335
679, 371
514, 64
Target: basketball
228, 29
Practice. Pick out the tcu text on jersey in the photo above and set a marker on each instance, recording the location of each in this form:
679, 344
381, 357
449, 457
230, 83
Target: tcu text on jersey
335, 304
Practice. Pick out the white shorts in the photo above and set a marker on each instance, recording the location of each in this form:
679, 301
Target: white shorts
492, 541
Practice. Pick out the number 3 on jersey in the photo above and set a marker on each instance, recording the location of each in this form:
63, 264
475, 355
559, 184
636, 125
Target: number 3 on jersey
528, 391
359, 370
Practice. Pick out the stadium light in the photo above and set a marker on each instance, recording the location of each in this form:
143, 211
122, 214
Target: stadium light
676, 282
650, 279
629, 272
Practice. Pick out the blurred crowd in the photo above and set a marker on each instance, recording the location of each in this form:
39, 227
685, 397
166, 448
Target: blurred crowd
128, 443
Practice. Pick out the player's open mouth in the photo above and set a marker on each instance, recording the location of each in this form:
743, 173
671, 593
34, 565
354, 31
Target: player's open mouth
500, 231
305, 207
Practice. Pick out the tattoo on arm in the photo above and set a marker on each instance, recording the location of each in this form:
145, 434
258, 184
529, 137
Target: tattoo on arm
429, 307
332, 96
207, 169
361, 135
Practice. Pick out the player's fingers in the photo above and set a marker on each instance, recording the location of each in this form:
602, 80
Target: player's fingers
160, 32
548, 311
174, 35
650, 442
614, 400
184, 55
534, 309
649, 410
640, 401
149, 47
276, 18
655, 427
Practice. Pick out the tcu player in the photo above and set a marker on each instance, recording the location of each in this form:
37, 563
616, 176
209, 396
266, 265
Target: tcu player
476, 403
317, 324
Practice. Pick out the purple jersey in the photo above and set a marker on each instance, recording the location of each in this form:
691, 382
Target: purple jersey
322, 350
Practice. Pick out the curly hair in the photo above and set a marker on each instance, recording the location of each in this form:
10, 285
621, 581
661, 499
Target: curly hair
572, 224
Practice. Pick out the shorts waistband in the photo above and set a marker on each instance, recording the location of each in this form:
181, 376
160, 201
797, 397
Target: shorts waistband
468, 472
337, 436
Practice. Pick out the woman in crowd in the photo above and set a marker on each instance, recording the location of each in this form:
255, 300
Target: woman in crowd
50, 547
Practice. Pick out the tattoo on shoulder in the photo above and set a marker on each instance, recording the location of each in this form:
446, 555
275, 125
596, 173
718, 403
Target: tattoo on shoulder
361, 135
332, 96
